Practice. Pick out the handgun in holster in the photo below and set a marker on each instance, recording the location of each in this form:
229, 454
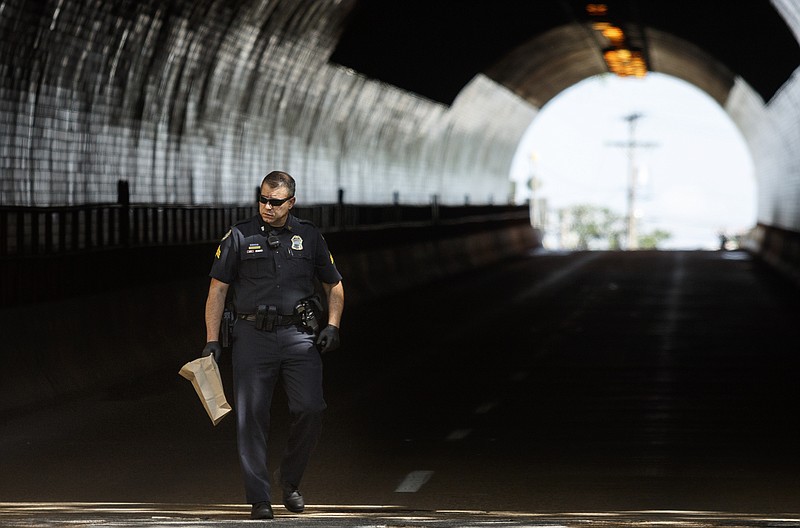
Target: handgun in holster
266, 316
310, 312
226, 328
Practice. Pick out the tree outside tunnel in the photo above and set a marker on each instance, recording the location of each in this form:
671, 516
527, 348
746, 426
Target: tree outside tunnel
692, 170
586, 226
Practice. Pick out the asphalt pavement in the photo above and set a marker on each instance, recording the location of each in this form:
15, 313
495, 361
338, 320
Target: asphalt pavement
556, 389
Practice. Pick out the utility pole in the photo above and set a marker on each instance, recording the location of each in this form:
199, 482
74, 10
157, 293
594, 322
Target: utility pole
533, 185
631, 234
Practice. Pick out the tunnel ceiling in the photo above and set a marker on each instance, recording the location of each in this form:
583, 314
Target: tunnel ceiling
539, 48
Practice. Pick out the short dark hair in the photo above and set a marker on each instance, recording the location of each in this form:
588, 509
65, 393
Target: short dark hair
279, 179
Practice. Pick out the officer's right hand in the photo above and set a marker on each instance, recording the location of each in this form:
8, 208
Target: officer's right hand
212, 348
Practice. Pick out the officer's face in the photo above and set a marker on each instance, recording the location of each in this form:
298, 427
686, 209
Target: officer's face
274, 215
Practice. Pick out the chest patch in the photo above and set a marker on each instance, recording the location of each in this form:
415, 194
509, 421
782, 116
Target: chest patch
297, 243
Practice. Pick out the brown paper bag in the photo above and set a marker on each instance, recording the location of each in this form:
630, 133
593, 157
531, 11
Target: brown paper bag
204, 375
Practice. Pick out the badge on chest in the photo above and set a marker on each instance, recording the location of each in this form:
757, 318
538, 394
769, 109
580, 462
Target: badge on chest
297, 243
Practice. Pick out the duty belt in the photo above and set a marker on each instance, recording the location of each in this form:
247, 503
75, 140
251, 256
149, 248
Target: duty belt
281, 320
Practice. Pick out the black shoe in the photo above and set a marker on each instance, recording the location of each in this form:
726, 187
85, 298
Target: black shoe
293, 501
261, 510
291, 497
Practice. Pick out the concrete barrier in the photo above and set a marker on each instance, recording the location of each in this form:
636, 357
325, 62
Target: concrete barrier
127, 328
779, 248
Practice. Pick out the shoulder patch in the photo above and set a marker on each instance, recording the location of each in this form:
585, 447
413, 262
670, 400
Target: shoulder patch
227, 234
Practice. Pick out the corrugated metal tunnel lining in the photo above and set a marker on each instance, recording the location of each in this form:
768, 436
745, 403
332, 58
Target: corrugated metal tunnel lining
192, 102
549, 64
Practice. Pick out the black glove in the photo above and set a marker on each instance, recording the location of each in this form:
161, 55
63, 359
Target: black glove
212, 348
328, 339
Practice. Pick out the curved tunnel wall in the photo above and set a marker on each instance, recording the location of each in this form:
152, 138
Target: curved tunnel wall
553, 61
193, 101
772, 131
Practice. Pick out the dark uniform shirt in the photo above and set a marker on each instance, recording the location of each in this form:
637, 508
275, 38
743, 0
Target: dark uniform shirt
280, 276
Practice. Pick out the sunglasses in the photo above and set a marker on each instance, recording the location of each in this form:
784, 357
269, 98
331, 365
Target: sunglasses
274, 202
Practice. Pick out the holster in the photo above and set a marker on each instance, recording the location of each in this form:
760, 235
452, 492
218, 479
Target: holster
226, 328
310, 312
266, 316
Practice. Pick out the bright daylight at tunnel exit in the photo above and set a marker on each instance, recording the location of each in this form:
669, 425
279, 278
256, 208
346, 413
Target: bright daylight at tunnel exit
693, 175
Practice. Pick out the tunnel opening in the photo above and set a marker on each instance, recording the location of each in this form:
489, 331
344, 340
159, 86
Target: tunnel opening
658, 148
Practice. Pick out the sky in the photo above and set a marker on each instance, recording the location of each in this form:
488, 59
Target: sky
695, 178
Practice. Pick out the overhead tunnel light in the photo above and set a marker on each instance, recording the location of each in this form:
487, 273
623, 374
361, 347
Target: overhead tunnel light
621, 58
597, 9
614, 34
625, 62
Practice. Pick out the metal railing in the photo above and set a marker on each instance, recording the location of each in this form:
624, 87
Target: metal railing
30, 231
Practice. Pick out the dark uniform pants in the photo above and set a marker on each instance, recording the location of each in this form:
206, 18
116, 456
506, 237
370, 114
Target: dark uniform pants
259, 358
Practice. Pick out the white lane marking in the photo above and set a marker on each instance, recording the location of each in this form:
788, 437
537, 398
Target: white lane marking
486, 407
458, 434
414, 481
554, 278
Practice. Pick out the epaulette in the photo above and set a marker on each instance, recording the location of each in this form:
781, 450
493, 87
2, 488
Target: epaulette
307, 222
239, 225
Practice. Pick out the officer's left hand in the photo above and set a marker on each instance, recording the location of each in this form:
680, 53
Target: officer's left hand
328, 339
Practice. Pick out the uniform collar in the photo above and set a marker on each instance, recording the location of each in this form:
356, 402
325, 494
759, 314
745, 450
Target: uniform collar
291, 223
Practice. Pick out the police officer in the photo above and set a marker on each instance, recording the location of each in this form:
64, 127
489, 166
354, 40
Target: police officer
271, 261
